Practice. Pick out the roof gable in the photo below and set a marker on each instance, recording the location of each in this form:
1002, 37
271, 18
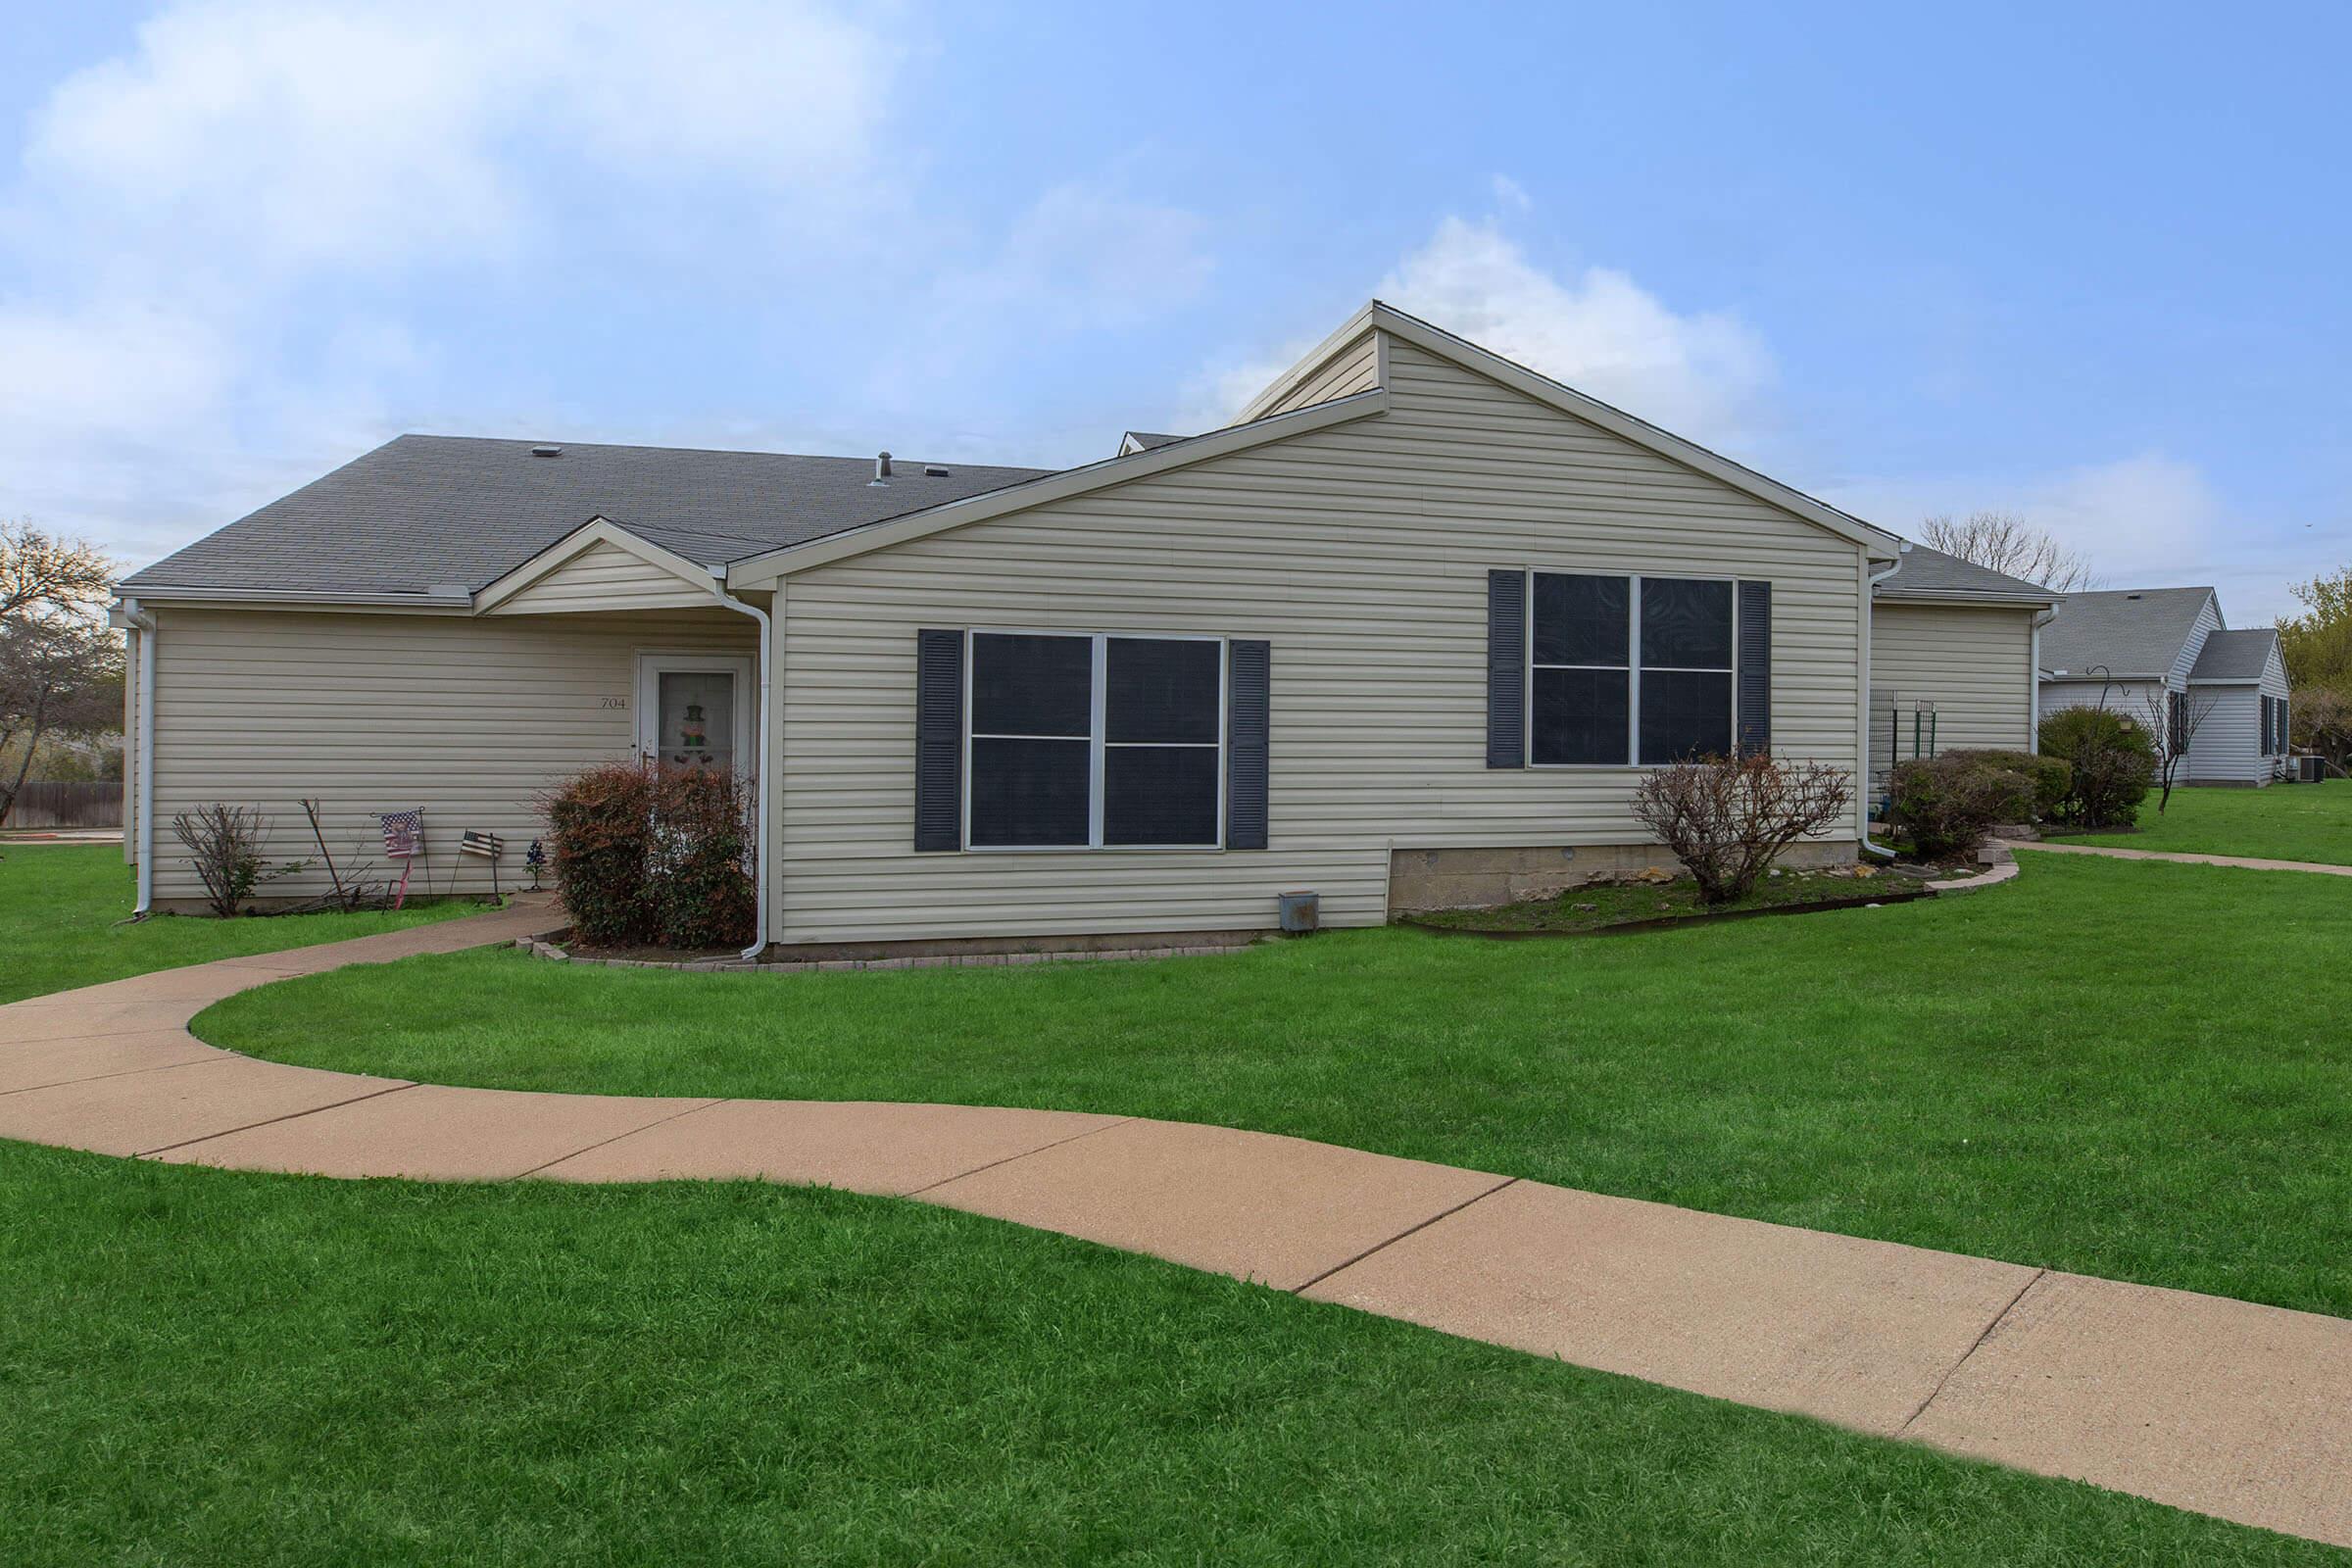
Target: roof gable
1932, 576
601, 566
2234, 657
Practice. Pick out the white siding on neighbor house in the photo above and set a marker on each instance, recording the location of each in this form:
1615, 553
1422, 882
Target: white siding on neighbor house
1351, 368
1361, 552
2227, 747
600, 579
1973, 663
465, 718
2208, 622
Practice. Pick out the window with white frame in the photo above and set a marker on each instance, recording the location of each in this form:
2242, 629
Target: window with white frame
1094, 741
1628, 669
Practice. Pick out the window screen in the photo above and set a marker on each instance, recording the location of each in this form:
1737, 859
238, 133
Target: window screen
1054, 766
1032, 740
1161, 717
1685, 668
1582, 681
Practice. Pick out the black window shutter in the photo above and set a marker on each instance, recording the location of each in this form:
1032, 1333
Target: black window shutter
1249, 677
939, 739
1506, 669
1753, 703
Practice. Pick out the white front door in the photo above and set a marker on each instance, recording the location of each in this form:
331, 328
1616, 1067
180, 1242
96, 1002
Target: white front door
695, 709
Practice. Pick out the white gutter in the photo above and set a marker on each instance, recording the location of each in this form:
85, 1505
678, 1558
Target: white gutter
760, 856
2033, 683
1870, 595
143, 803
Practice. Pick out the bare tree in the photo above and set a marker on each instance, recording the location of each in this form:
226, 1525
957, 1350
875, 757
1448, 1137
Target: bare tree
41, 573
57, 673
2174, 717
1727, 820
2004, 542
2321, 718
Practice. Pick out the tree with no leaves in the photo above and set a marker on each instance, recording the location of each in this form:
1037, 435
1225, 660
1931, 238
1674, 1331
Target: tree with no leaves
2174, 717
42, 574
2004, 542
61, 669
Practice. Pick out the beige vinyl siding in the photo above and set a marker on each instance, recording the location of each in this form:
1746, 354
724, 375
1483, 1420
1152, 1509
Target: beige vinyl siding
465, 718
1974, 664
1351, 368
600, 580
1361, 552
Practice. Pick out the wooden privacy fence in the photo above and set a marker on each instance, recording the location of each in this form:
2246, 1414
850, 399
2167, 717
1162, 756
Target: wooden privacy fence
67, 803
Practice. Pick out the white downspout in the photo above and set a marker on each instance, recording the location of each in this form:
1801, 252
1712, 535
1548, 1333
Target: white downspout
760, 856
1870, 598
2033, 683
143, 802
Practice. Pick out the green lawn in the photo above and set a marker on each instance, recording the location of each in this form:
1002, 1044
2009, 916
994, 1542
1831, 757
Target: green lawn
214, 1367
59, 903
2283, 822
2122, 1068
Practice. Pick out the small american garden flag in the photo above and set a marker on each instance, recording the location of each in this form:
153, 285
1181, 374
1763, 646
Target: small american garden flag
404, 834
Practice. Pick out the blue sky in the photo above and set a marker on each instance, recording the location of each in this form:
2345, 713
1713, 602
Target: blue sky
2090, 267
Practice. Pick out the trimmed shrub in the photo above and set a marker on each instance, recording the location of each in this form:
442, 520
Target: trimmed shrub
1727, 818
1945, 804
2052, 777
698, 862
653, 854
597, 837
2112, 758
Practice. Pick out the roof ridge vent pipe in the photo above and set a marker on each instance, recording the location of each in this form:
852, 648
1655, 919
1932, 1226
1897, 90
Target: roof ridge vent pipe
881, 470
547, 452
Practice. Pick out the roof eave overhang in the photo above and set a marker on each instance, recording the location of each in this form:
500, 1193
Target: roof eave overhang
1980, 601
165, 594
768, 568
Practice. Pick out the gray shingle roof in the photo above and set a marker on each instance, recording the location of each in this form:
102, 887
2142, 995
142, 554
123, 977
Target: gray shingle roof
1925, 573
2235, 654
422, 511
2132, 631
1146, 440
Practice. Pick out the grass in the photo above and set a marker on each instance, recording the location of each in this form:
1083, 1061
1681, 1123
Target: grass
2120, 1068
59, 904
214, 1367
1596, 906
2283, 822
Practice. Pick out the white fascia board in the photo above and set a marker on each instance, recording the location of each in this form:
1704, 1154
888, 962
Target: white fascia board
770, 567
594, 531
298, 599
1519, 378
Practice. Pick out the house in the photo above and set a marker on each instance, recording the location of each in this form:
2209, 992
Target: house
1954, 651
2166, 657
1407, 633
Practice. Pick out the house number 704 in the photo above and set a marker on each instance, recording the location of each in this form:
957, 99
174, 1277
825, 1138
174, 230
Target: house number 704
612, 702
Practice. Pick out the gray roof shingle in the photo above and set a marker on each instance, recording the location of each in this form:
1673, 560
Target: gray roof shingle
2235, 655
1925, 573
2132, 631
426, 512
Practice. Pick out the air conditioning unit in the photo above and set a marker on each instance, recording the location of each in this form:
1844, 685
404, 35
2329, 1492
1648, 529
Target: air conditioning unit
2311, 769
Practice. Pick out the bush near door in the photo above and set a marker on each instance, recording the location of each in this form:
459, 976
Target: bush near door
653, 854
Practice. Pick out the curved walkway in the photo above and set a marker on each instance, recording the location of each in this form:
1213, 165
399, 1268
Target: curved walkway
2243, 862
2217, 1405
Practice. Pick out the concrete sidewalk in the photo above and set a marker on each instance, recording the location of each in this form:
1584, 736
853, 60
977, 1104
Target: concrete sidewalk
2217, 1405
2242, 861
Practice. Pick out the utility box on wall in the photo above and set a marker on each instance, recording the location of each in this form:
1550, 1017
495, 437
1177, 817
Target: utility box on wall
1302, 912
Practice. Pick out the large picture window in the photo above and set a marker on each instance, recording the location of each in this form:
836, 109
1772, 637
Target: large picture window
1087, 742
1628, 669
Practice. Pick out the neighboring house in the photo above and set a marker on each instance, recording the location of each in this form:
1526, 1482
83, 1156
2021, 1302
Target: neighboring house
2150, 652
1953, 653
1408, 634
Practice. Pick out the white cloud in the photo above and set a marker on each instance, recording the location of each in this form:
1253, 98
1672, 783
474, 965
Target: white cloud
188, 214
374, 133
1700, 375
1085, 256
1509, 195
